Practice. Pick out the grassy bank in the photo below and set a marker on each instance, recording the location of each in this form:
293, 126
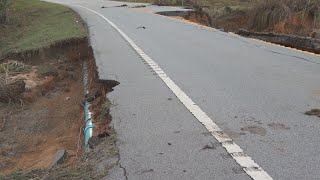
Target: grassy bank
35, 24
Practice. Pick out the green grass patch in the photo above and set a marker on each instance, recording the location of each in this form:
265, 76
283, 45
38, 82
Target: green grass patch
34, 24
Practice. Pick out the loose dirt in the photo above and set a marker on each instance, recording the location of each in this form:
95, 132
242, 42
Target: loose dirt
278, 126
49, 118
313, 112
255, 130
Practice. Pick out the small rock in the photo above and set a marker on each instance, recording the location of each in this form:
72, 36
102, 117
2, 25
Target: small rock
169, 144
315, 34
141, 27
313, 112
68, 98
60, 157
208, 147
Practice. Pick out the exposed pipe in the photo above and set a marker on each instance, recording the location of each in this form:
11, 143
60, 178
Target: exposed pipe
88, 130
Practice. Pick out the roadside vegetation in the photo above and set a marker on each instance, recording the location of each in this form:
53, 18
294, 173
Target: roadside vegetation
297, 17
42, 49
285, 16
39, 97
4, 4
34, 24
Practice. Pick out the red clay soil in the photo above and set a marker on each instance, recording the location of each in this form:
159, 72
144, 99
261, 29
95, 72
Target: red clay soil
49, 120
231, 23
100, 105
295, 25
199, 17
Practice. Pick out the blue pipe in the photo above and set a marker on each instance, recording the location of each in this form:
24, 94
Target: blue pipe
88, 130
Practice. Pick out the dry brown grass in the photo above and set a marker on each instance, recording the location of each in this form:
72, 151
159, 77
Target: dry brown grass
266, 13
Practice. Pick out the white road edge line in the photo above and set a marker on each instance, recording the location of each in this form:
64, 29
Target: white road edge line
247, 164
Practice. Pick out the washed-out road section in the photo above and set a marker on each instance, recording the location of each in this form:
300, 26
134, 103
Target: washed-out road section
256, 92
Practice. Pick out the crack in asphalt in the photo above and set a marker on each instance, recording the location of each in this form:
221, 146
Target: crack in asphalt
124, 169
119, 163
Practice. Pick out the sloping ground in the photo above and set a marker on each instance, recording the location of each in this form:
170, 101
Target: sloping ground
34, 24
43, 114
285, 22
43, 48
46, 117
303, 43
51, 118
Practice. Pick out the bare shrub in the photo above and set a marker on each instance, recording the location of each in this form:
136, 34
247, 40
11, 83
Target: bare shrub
266, 13
4, 4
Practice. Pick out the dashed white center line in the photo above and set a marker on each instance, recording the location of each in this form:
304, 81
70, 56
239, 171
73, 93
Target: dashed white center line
245, 161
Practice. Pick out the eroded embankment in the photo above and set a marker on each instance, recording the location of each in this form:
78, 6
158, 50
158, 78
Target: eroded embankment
299, 42
71, 48
196, 16
47, 114
43, 115
303, 43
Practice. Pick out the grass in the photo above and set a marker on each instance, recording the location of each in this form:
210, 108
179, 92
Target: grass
299, 17
19, 175
267, 13
4, 4
81, 171
35, 24
47, 70
208, 3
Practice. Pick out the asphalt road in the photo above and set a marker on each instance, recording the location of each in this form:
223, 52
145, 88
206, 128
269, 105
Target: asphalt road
255, 92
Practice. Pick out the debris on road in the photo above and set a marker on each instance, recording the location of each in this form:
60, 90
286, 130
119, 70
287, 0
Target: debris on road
313, 112
141, 27
278, 126
255, 130
139, 6
208, 147
122, 5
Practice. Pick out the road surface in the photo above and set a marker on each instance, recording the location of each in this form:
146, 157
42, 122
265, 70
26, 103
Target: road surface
176, 76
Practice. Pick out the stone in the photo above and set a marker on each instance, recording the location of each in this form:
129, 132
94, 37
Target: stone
60, 157
315, 34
